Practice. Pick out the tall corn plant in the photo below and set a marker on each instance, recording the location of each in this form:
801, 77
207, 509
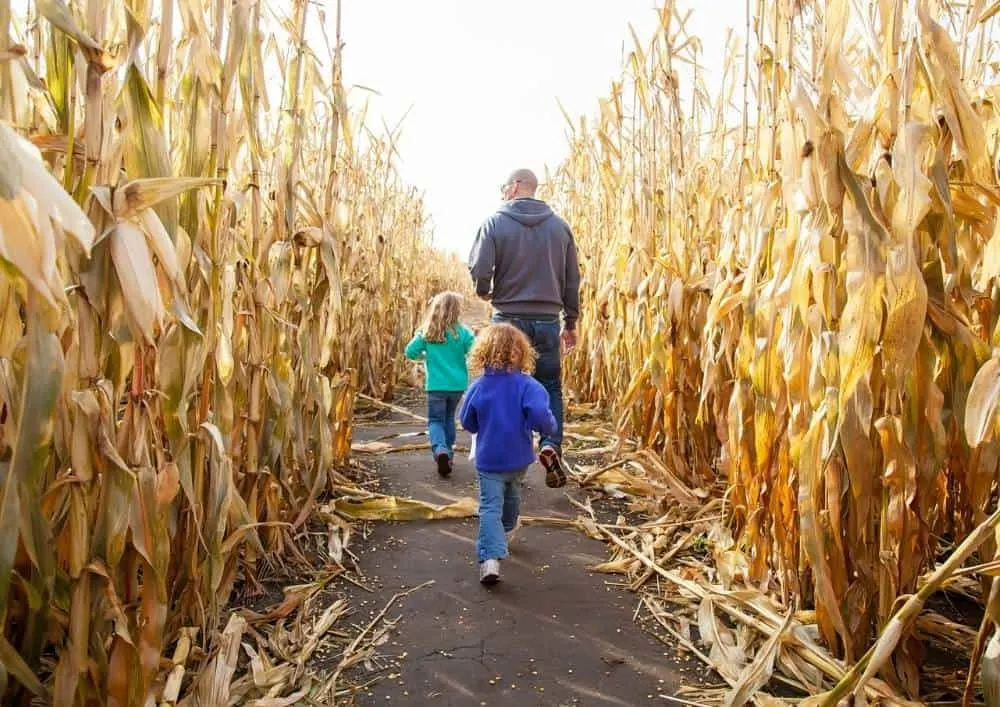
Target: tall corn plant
199, 273
796, 279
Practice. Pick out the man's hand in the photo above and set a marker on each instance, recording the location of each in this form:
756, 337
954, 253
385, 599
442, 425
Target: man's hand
568, 339
485, 298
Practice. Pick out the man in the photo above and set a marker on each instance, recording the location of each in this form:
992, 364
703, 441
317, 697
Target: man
524, 261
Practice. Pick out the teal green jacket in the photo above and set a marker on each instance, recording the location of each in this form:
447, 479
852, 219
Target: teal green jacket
445, 361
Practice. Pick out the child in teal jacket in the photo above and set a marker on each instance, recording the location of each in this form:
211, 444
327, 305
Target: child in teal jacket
443, 343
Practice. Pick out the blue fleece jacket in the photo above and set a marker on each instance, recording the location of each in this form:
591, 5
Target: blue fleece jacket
503, 408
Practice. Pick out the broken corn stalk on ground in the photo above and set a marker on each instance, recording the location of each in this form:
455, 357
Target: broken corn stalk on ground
201, 269
794, 284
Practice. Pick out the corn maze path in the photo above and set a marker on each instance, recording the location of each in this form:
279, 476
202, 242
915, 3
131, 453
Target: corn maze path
550, 633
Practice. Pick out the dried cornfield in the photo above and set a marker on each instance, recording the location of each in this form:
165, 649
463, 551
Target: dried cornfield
202, 267
794, 284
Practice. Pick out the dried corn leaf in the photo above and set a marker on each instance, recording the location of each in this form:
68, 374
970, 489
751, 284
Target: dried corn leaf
759, 671
395, 508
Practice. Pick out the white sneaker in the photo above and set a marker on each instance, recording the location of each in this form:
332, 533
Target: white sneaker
489, 571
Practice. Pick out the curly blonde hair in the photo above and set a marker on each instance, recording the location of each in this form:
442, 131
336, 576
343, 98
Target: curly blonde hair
502, 347
442, 316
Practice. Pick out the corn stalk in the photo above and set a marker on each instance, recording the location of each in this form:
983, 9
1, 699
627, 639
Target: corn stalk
184, 329
801, 293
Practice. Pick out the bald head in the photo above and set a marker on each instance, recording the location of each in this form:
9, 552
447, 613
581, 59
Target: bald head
521, 182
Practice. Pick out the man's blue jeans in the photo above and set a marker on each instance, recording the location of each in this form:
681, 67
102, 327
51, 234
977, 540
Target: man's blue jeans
499, 508
441, 409
544, 336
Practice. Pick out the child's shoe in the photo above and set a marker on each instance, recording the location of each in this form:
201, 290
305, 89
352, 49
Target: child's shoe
443, 464
555, 477
489, 572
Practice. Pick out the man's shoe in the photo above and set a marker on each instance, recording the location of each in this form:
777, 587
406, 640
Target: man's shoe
555, 477
489, 572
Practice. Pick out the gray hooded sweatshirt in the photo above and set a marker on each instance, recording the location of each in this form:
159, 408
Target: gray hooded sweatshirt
525, 256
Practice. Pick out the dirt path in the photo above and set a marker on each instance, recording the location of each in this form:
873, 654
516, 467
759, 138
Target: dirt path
550, 633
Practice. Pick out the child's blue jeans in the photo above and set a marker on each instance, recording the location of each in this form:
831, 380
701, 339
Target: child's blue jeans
441, 409
499, 508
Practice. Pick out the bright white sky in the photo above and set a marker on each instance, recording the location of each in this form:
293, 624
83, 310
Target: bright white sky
482, 79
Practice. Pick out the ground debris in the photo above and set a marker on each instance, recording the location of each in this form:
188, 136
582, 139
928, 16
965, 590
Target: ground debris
297, 652
692, 580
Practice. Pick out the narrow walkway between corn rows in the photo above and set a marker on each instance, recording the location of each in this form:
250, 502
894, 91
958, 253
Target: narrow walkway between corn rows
550, 633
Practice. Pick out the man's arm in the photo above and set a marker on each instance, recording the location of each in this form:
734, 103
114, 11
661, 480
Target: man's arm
571, 285
482, 260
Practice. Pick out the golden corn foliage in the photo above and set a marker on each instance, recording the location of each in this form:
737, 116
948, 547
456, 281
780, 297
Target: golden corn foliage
200, 269
798, 279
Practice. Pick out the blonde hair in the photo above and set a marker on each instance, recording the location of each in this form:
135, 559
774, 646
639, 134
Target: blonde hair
502, 347
442, 316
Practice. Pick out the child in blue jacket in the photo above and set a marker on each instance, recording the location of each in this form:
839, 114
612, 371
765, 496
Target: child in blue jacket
502, 408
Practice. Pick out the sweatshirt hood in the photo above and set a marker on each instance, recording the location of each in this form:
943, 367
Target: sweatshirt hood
527, 212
